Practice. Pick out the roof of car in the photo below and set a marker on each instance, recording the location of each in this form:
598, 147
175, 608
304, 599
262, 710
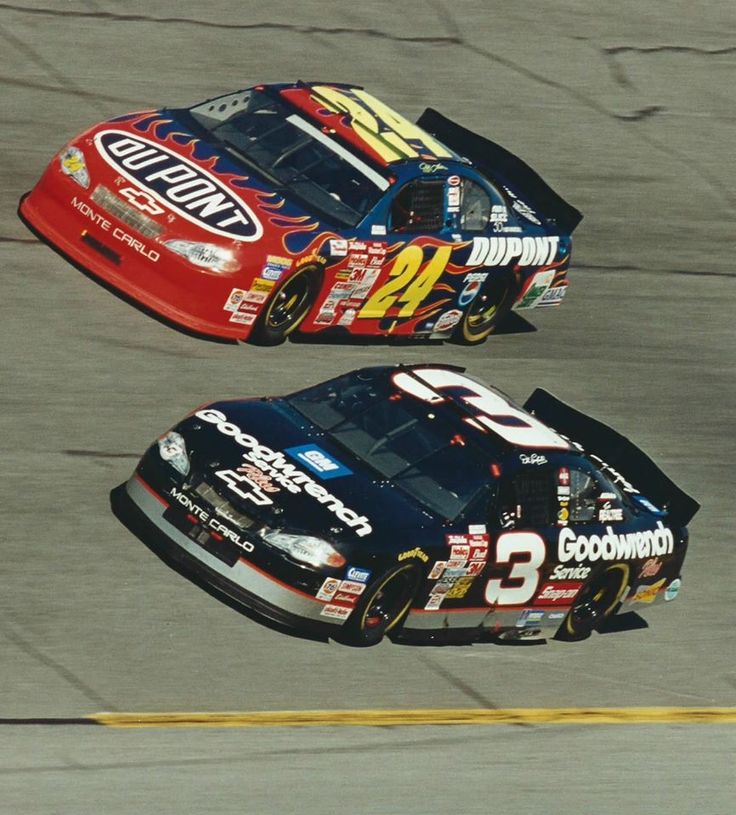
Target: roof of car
366, 123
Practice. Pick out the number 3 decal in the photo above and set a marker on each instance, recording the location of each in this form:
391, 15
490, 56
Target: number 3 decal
527, 571
493, 411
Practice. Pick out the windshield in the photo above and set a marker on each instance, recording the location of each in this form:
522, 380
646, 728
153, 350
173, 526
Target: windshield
407, 441
293, 154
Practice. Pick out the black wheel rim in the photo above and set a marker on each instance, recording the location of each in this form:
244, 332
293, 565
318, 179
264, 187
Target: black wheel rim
596, 601
289, 303
484, 310
389, 602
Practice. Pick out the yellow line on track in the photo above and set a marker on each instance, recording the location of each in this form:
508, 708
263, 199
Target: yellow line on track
425, 717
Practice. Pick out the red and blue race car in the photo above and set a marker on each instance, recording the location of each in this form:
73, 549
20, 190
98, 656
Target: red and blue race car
306, 207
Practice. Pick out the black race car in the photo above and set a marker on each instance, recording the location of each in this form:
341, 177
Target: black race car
413, 501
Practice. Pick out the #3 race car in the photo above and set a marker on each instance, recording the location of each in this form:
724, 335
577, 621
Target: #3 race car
309, 207
412, 501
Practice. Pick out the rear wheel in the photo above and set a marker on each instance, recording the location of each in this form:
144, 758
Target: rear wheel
287, 307
597, 601
485, 313
382, 608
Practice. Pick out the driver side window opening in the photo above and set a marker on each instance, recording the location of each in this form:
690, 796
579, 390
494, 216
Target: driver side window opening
419, 206
475, 207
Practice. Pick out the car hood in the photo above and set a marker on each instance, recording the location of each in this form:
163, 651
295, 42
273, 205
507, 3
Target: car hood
279, 468
194, 183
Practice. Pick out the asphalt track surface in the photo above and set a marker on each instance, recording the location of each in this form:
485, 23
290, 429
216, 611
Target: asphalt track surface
627, 109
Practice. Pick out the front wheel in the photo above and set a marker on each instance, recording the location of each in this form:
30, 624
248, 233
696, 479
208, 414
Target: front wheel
485, 313
382, 608
287, 307
595, 603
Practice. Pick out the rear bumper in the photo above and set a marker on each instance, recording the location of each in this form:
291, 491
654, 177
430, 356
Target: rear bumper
251, 589
167, 287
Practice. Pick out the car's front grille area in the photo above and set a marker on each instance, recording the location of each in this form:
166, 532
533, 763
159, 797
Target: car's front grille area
126, 213
223, 507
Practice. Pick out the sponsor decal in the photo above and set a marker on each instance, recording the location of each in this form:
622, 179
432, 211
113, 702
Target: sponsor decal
502, 251
455, 571
475, 277
563, 477
116, 232
416, 552
557, 594
352, 586
499, 214
262, 285
453, 199
448, 320
328, 588
469, 293
209, 521
477, 529
378, 229
275, 267
460, 589
281, 471
338, 612
553, 296
570, 573
453, 181
338, 248
526, 212
234, 299
647, 594
443, 586
455, 563
357, 574
673, 589
651, 568
243, 317
260, 479
555, 615
612, 546
475, 567
609, 514
529, 617
434, 602
479, 552
350, 599
255, 297
437, 569
456, 540
318, 461
460, 552
179, 183
533, 458
538, 285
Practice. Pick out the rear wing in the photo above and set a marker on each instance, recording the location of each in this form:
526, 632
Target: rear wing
616, 452
495, 161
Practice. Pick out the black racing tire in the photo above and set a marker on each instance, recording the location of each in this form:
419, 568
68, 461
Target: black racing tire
287, 306
382, 608
483, 316
597, 601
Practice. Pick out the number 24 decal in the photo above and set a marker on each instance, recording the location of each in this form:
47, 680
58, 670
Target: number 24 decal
527, 571
407, 286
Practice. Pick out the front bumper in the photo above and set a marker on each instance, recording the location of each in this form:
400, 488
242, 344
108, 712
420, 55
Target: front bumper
168, 287
252, 589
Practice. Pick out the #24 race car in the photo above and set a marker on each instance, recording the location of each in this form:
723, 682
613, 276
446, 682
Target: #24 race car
309, 207
415, 502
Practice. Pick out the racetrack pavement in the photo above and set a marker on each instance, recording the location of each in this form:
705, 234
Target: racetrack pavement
628, 111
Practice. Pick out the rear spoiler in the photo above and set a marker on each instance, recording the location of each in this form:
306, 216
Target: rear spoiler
616, 452
495, 161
